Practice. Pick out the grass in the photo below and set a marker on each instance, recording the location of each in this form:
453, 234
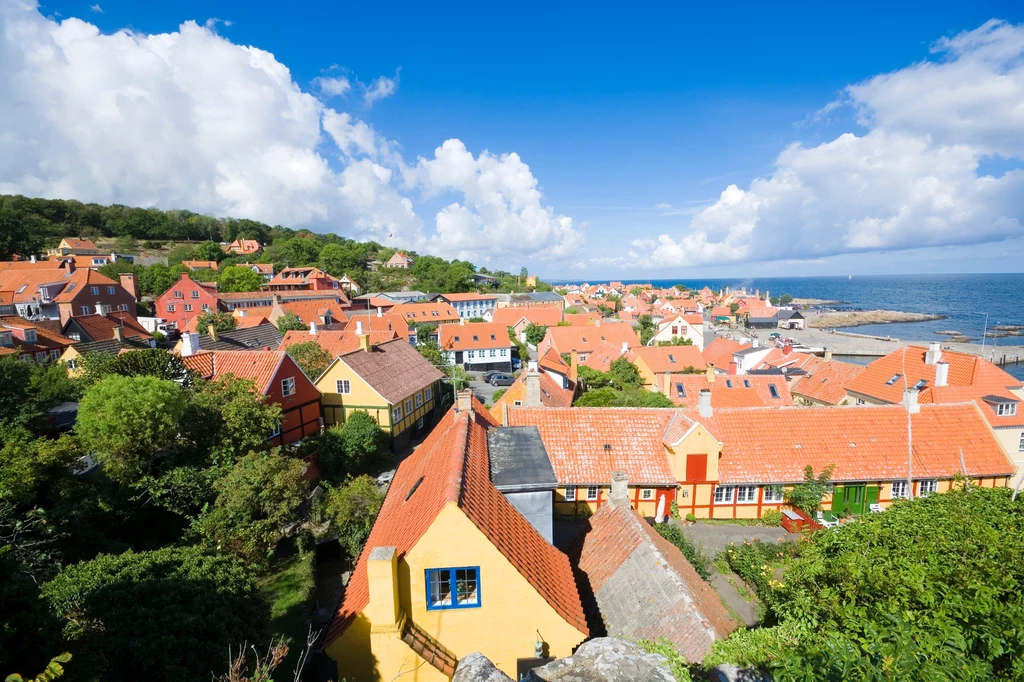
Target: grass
731, 522
288, 586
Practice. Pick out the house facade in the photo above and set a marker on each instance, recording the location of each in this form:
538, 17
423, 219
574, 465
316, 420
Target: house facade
186, 300
450, 568
244, 247
399, 261
390, 381
30, 341
302, 279
477, 346
469, 306
681, 327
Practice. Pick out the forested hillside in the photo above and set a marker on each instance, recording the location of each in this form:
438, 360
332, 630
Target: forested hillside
29, 226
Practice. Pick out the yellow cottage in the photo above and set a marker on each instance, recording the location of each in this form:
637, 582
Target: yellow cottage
451, 568
390, 381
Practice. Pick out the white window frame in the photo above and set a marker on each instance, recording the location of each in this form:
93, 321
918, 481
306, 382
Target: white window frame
647, 493
1020, 447
419, 400
593, 492
343, 386
94, 291
170, 307
1006, 409
904, 492
926, 487
570, 494
178, 294
746, 494
195, 293
772, 494
428, 394
720, 497
396, 415
288, 386
110, 290
72, 363
276, 432
188, 307
85, 310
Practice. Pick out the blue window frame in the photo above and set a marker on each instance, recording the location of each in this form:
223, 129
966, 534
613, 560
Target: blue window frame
453, 588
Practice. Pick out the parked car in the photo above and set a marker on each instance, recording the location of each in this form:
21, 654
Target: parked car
486, 376
774, 335
502, 380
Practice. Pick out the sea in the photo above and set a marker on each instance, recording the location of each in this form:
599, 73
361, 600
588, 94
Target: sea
969, 303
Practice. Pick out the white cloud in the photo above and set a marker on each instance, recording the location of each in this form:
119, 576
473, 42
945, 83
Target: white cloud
96, 8
191, 120
663, 206
332, 86
381, 88
911, 180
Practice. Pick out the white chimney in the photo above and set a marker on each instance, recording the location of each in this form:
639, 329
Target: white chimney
99, 309
533, 391
910, 400
113, 257
359, 327
704, 403
828, 355
941, 373
620, 488
934, 353
32, 259
532, 365
462, 322
312, 328
380, 312
597, 322
755, 343
625, 347
189, 344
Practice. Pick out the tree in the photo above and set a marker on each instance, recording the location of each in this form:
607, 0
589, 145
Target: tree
625, 373
227, 418
352, 509
785, 299
340, 259
240, 278
636, 291
432, 352
571, 310
168, 614
125, 421
209, 250
54, 669
535, 333
598, 397
311, 358
733, 307
676, 341
256, 499
807, 495
593, 378
365, 443
222, 322
524, 273
291, 322
15, 377
424, 332
30, 465
124, 244
146, 362
647, 329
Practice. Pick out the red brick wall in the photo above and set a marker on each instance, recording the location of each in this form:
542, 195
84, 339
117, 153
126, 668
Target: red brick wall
186, 286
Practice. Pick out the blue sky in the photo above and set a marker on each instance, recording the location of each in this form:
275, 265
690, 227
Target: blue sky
631, 121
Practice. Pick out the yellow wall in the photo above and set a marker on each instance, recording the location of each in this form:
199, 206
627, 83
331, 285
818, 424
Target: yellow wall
1009, 440
69, 355
363, 398
503, 628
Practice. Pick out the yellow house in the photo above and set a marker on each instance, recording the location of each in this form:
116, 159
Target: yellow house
732, 463
451, 568
390, 381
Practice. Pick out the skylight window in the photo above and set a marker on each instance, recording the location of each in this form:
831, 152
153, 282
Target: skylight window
475, 337
921, 384
413, 488
728, 383
895, 378
671, 358
773, 390
456, 338
681, 390
492, 337
746, 383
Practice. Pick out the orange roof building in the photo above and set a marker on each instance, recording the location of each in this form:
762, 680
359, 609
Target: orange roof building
334, 342
426, 313
533, 389
749, 390
477, 345
584, 340
448, 558
719, 353
244, 247
826, 384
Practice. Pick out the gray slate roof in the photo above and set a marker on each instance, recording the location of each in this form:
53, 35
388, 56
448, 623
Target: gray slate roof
254, 338
519, 460
394, 369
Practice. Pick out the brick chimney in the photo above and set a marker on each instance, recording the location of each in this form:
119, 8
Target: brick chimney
620, 488
363, 337
129, 283
787, 349
464, 400
574, 365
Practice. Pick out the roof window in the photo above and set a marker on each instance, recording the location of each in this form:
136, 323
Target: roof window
728, 383
921, 384
895, 378
607, 448
413, 488
746, 383
671, 358
774, 391
456, 338
475, 337
681, 390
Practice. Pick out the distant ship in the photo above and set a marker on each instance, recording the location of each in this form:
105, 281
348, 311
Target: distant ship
849, 277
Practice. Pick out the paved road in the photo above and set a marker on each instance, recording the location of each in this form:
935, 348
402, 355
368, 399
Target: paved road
485, 392
716, 537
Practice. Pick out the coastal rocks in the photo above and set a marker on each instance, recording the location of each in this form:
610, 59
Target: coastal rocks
605, 659
478, 668
858, 317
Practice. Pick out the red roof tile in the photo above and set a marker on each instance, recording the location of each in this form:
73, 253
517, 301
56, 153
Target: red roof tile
473, 335
101, 327
827, 383
719, 352
259, 366
430, 313
662, 359
452, 467
334, 342
546, 316
586, 339
749, 390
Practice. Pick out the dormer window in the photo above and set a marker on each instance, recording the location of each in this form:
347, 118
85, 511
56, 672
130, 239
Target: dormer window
6, 339
30, 336
1006, 409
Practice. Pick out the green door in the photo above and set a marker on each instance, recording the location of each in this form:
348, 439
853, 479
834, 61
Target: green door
851, 499
872, 497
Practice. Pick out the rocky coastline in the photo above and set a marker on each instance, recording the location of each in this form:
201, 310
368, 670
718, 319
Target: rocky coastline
855, 318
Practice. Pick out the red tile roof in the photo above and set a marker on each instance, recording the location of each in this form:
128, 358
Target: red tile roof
546, 316
644, 586
553, 362
586, 339
46, 339
473, 335
551, 394
314, 310
780, 359
468, 297
604, 355
581, 319
394, 369
80, 279
869, 443
719, 352
374, 323
431, 313
827, 383
259, 366
732, 391
334, 342
452, 467
662, 359
575, 439
101, 327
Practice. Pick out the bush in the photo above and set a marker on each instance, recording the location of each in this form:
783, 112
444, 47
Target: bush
697, 558
755, 561
152, 245
771, 517
676, 661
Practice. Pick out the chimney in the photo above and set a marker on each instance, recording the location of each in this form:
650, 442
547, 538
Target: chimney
755, 343
620, 488
941, 373
189, 344
276, 299
767, 298
668, 384
382, 582
625, 347
574, 364
312, 328
934, 353
704, 403
359, 327
532, 366
533, 390
380, 312
597, 322
113, 257
787, 349
711, 372
99, 310
462, 322
364, 338
464, 400
211, 331
32, 259
910, 400
828, 355
119, 333
129, 283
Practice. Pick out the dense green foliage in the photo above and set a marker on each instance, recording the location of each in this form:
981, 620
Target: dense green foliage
168, 614
290, 322
646, 329
535, 333
351, 509
930, 589
620, 386
676, 662
807, 494
359, 446
311, 358
676, 341
696, 556
221, 321
238, 278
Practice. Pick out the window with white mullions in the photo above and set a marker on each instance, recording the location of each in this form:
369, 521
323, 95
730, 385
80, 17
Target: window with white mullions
453, 588
724, 494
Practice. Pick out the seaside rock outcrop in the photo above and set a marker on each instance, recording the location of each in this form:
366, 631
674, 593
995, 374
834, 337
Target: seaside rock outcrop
600, 660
